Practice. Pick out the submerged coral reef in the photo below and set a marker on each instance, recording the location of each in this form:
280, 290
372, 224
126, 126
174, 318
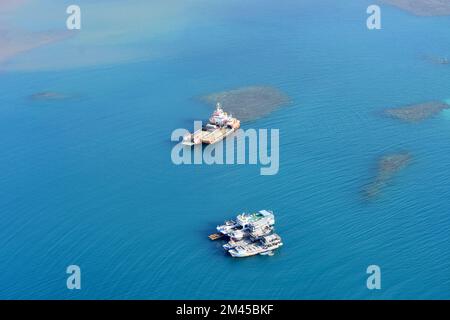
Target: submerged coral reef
417, 112
388, 166
422, 7
47, 95
249, 103
441, 60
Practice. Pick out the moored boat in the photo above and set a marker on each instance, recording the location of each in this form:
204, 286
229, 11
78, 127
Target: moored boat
251, 234
220, 125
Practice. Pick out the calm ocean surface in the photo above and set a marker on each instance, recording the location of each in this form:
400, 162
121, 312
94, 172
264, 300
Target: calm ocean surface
88, 180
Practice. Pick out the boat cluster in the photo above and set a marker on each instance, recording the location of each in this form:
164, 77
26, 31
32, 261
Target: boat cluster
251, 234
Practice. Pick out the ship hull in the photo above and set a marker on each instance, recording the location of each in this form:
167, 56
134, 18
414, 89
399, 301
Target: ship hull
269, 251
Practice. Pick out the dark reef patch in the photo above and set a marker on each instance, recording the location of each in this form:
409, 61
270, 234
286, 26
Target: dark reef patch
388, 166
422, 7
47, 95
249, 103
417, 112
440, 60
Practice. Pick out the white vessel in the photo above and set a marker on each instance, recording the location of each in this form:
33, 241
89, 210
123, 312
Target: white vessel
264, 246
220, 125
247, 223
236, 243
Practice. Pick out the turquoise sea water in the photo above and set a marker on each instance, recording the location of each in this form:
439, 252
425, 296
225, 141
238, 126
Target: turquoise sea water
88, 180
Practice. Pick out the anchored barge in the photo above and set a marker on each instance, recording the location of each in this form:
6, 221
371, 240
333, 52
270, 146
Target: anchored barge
250, 234
220, 125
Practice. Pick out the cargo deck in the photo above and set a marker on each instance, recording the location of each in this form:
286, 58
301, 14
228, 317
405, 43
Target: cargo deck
208, 137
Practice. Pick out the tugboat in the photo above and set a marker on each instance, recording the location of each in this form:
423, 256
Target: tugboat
220, 125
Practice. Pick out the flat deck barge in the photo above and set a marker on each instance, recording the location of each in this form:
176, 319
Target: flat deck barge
216, 236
